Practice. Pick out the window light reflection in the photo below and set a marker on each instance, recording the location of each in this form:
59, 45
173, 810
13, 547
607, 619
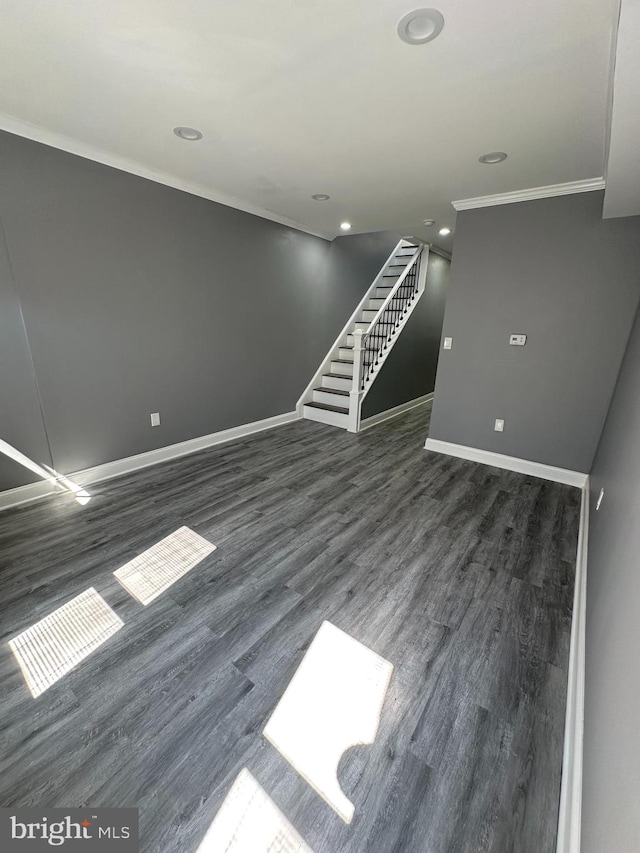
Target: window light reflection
250, 822
57, 480
56, 644
333, 702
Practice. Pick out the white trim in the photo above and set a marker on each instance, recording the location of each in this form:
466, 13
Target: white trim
13, 497
174, 451
571, 786
307, 394
395, 411
84, 149
552, 190
509, 463
438, 251
398, 284
25, 494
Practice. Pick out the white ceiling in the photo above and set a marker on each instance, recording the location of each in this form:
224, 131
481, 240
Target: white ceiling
296, 97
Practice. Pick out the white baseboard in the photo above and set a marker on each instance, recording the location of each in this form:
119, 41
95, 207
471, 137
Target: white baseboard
509, 463
393, 413
23, 494
569, 821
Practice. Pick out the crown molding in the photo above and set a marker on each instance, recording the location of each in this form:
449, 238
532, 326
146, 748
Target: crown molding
586, 186
19, 127
438, 251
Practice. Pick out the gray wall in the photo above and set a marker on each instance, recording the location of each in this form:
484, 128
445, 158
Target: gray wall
140, 298
410, 369
556, 271
610, 811
354, 261
21, 421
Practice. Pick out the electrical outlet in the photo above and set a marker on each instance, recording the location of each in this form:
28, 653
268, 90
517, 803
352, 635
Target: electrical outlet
499, 427
517, 340
448, 342
600, 498
155, 419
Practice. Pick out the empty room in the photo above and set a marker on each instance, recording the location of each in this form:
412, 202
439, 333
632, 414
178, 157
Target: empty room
319, 426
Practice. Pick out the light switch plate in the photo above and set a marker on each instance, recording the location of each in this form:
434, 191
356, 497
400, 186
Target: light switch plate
447, 343
499, 427
155, 419
517, 340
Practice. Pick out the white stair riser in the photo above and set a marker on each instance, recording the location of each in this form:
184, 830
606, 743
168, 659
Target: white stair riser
342, 369
337, 382
324, 417
381, 292
330, 399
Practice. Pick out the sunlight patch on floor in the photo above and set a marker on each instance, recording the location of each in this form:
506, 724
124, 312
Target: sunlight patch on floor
154, 571
250, 822
333, 702
55, 645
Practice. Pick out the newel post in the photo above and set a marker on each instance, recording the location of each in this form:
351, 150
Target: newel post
356, 393
423, 262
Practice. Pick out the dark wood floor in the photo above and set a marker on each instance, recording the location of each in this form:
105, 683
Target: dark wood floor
459, 574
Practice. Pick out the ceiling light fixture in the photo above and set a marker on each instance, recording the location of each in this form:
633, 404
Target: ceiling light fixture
444, 232
429, 222
420, 26
492, 157
345, 226
190, 134
320, 197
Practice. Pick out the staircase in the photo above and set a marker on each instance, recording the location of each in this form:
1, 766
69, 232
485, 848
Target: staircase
335, 394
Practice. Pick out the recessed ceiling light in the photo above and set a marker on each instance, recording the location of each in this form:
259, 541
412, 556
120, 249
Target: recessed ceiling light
320, 197
444, 231
346, 226
429, 222
420, 26
492, 157
188, 133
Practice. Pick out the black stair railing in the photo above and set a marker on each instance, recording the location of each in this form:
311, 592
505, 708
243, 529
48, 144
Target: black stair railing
380, 334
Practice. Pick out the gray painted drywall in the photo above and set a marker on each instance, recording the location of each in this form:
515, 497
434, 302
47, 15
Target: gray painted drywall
140, 298
354, 261
552, 269
410, 369
21, 423
611, 780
